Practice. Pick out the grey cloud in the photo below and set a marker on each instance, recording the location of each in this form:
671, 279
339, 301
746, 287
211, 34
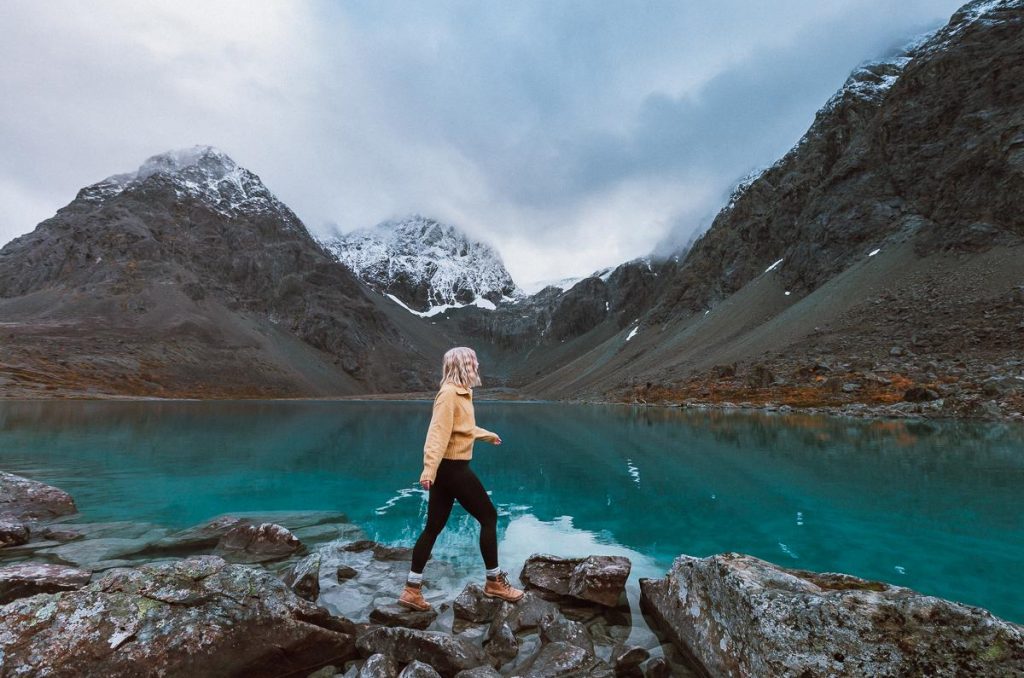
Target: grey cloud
541, 127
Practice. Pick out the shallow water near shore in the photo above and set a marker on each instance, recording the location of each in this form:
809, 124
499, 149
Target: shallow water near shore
934, 506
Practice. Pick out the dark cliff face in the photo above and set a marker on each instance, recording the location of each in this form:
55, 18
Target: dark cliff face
225, 242
888, 239
928, 144
610, 300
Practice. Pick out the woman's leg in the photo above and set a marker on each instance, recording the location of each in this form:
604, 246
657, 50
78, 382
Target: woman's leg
471, 494
439, 507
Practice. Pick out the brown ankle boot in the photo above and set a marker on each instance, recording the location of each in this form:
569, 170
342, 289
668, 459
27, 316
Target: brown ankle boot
412, 597
500, 588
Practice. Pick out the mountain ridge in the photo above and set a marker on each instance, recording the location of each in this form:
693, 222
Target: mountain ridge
428, 265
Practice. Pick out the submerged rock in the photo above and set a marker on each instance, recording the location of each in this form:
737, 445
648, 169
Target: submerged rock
200, 537
199, 616
364, 582
27, 579
741, 616
32, 500
99, 552
301, 523
598, 579
381, 551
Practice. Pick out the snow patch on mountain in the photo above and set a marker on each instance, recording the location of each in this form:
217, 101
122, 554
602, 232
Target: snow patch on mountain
427, 266
202, 173
562, 284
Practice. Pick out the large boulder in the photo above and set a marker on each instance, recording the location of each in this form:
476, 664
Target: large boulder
32, 500
448, 654
27, 579
200, 616
597, 579
741, 616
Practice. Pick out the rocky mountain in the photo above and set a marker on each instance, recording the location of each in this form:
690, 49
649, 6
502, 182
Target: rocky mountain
881, 255
189, 277
426, 265
877, 264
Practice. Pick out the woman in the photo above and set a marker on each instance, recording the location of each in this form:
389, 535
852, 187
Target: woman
447, 477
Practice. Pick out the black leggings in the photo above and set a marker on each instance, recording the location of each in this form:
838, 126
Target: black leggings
455, 480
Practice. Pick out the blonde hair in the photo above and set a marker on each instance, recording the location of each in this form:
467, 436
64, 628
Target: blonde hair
459, 367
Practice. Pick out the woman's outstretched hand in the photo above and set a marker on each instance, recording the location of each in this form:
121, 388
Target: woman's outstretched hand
425, 484
497, 439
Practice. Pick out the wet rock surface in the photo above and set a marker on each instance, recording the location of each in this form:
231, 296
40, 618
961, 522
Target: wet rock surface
597, 579
446, 653
303, 577
26, 499
472, 605
417, 669
161, 617
354, 581
741, 616
398, 615
27, 579
251, 543
203, 615
13, 532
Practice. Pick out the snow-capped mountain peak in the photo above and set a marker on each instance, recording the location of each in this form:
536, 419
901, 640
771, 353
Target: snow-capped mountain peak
425, 264
203, 173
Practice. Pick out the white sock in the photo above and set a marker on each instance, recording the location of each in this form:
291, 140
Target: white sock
415, 577
494, 572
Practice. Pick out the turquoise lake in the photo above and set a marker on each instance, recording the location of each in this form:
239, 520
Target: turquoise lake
938, 507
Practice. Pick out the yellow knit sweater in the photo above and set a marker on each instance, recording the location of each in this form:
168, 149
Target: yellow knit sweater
452, 429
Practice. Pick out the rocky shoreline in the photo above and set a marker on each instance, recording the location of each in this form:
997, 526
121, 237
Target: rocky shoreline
307, 594
999, 399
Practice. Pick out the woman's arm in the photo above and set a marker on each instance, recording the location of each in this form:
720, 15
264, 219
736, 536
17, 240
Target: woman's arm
485, 435
438, 433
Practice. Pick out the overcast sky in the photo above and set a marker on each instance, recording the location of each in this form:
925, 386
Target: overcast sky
570, 135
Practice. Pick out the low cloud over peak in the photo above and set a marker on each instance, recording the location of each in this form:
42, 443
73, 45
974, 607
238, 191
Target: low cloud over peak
571, 135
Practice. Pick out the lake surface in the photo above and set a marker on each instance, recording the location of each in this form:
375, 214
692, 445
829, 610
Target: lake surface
936, 507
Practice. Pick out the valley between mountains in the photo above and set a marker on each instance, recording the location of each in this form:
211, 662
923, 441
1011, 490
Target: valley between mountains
876, 268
